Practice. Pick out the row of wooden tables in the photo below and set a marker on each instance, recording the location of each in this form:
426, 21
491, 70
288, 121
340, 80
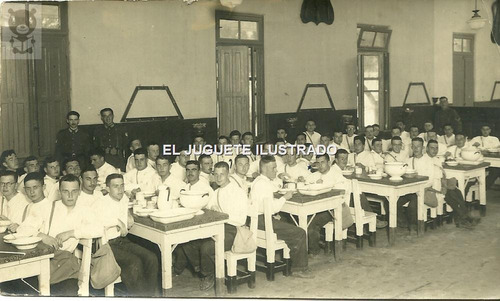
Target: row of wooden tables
211, 224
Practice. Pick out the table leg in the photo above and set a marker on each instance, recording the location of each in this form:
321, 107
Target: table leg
393, 218
303, 225
482, 192
337, 213
421, 211
461, 184
44, 278
219, 261
166, 266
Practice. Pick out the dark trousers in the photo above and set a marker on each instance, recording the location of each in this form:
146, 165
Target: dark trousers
314, 230
295, 239
410, 215
365, 204
202, 251
66, 288
493, 174
455, 199
139, 267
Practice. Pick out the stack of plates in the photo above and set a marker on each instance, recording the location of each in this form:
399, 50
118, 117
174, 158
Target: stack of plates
172, 215
22, 243
314, 189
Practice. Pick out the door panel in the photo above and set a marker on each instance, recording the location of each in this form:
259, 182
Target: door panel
458, 80
14, 106
469, 81
52, 92
233, 89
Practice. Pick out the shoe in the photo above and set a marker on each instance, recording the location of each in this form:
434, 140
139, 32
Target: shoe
177, 271
305, 274
474, 220
381, 224
465, 224
207, 283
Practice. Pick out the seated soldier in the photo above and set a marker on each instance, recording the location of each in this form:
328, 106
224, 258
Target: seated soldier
153, 151
311, 136
432, 135
13, 203
140, 178
239, 175
206, 169
247, 139
134, 144
404, 134
396, 154
71, 167
89, 194
193, 178
281, 133
359, 151
31, 164
485, 141
229, 198
455, 151
178, 168
52, 171
338, 140
300, 139
262, 190
235, 138
223, 157
373, 159
376, 130
330, 177
294, 170
348, 138
139, 266
103, 168
165, 178
198, 143
448, 138
369, 136
428, 126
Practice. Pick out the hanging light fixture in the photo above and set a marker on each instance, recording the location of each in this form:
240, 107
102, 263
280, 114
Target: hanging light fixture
476, 22
230, 3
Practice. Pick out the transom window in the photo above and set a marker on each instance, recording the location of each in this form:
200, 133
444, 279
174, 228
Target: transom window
372, 37
48, 14
239, 28
462, 44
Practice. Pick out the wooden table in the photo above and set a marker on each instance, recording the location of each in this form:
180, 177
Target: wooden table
463, 172
492, 158
168, 236
34, 263
303, 206
392, 190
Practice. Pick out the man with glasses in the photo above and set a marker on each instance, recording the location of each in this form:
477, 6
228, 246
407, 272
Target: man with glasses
12, 203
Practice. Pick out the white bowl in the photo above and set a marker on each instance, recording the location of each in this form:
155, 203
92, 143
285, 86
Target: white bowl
493, 150
451, 163
194, 199
145, 212
347, 172
172, 215
375, 176
471, 154
26, 243
395, 170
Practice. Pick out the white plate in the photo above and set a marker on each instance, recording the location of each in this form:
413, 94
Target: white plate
347, 172
172, 215
25, 243
145, 212
451, 163
375, 177
285, 190
314, 192
10, 237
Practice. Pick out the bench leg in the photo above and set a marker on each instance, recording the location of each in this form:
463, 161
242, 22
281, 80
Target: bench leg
288, 267
232, 284
270, 271
251, 281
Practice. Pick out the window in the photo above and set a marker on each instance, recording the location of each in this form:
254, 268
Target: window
462, 45
48, 16
371, 37
238, 28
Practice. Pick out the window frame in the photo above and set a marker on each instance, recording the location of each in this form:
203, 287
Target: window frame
376, 29
63, 15
226, 15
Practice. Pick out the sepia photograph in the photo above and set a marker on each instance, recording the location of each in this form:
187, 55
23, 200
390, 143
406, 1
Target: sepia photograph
250, 149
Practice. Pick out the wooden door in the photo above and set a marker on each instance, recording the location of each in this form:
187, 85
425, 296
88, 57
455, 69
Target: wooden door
234, 109
15, 121
51, 93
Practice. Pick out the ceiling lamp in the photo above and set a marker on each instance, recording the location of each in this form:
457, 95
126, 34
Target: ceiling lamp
189, 1
476, 22
230, 3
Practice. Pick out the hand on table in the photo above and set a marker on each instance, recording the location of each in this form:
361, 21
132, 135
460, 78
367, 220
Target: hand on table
64, 236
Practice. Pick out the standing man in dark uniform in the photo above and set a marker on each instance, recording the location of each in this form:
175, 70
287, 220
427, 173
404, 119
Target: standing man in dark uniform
73, 142
111, 138
446, 116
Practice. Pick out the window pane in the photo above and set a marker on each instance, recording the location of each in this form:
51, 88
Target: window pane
457, 45
5, 6
249, 30
380, 39
367, 39
50, 17
370, 108
229, 29
370, 66
466, 45
371, 85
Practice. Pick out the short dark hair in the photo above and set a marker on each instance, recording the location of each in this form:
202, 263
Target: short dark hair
396, 138
341, 151
48, 160
396, 128
5, 154
223, 137
88, 168
417, 139
432, 141
368, 127
193, 162
282, 128
443, 98
73, 113
141, 151
29, 158
326, 135
132, 140
203, 156
150, 143
460, 134
448, 124
246, 134
106, 110
300, 134
97, 152
432, 130
240, 156
199, 136
235, 133
162, 157
375, 125
325, 155
7, 173
37, 176
113, 176
376, 140
311, 120
266, 159
71, 159
221, 164
429, 121
69, 178
414, 126
360, 138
